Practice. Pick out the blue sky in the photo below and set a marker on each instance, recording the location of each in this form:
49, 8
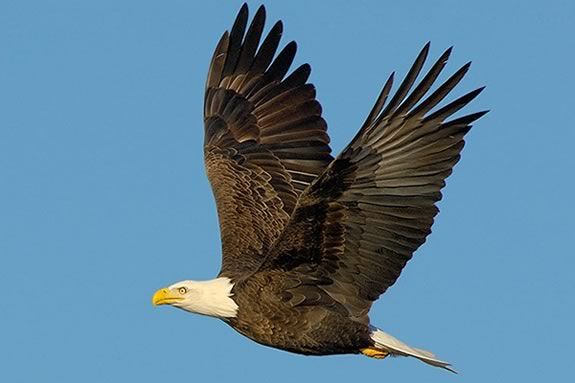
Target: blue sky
103, 196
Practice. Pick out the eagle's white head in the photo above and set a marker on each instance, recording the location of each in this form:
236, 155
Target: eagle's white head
212, 298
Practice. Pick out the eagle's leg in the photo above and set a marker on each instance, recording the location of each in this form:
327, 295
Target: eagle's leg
373, 352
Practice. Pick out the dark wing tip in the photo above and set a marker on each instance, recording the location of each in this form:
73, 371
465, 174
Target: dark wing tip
292, 45
283, 61
242, 15
445, 56
261, 12
477, 115
306, 67
471, 95
424, 52
241, 19
279, 25
467, 119
467, 98
260, 15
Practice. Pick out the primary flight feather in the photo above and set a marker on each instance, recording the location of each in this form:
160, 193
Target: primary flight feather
310, 241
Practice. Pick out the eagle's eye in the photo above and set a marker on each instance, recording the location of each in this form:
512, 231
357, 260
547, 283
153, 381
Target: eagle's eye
182, 290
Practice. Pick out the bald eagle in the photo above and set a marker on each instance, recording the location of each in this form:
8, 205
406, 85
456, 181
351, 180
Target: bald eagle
309, 241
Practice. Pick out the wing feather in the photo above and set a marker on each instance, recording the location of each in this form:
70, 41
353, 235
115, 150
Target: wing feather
265, 140
358, 224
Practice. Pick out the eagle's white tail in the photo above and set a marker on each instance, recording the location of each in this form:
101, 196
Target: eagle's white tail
396, 347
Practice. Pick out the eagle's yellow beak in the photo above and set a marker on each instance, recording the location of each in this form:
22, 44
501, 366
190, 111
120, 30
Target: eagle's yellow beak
166, 297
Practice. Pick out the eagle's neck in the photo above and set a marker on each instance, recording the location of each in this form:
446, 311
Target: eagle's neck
212, 298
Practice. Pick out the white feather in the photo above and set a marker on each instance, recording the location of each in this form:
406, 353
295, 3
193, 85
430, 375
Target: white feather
212, 298
396, 347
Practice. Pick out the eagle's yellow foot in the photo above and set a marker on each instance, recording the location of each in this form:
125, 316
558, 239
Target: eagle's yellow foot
374, 352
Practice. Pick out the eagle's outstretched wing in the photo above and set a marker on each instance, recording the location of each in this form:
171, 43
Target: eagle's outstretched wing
265, 139
358, 224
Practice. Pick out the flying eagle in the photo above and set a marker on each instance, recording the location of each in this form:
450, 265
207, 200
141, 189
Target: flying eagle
309, 241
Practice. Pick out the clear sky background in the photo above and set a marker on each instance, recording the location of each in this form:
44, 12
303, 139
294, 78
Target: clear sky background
103, 197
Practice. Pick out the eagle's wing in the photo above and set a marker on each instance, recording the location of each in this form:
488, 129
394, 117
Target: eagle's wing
265, 139
358, 224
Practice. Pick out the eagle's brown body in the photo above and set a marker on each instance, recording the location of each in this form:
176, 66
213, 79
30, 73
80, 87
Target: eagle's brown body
267, 316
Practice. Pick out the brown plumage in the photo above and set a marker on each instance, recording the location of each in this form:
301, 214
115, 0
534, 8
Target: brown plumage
265, 139
309, 241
